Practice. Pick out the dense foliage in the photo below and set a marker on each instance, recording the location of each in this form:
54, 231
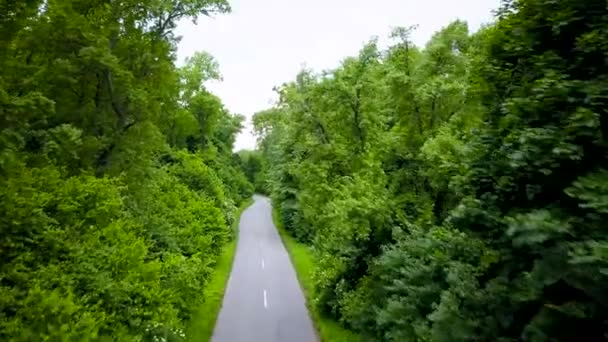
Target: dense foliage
455, 192
253, 165
118, 183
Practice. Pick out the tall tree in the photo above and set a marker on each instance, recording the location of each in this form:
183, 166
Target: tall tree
454, 192
118, 181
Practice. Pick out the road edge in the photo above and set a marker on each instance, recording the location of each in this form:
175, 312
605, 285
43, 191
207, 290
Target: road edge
203, 322
300, 255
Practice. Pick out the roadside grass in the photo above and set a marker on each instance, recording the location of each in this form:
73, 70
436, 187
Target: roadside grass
302, 259
202, 323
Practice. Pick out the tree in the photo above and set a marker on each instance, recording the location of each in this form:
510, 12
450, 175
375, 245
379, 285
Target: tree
118, 181
454, 192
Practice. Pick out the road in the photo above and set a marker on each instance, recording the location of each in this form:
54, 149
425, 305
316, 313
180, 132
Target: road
263, 301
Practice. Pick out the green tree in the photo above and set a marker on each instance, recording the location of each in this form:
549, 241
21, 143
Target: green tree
118, 181
454, 192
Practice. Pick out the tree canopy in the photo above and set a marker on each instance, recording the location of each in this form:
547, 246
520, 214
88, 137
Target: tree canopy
456, 191
451, 192
118, 184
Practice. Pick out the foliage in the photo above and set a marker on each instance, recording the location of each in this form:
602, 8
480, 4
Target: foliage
303, 260
454, 192
254, 167
118, 184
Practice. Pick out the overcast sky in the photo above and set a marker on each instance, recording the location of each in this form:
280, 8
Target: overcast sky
264, 43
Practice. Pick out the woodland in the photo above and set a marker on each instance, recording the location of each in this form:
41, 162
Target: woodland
456, 191
449, 192
118, 183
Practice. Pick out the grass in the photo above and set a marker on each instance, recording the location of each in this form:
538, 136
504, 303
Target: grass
202, 324
303, 260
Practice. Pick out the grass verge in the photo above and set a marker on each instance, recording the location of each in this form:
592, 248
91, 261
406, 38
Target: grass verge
202, 323
303, 261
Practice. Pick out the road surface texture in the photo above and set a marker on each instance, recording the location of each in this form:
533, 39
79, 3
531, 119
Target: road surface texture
263, 300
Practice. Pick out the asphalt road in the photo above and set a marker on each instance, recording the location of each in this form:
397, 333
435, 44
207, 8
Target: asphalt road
263, 300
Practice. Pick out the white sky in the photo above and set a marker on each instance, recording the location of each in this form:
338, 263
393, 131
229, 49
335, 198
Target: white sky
264, 43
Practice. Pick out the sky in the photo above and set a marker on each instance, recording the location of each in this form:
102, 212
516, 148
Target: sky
264, 43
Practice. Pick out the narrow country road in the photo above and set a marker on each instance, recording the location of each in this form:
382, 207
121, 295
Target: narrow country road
263, 300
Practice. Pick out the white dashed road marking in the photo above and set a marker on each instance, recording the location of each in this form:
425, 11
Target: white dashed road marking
265, 301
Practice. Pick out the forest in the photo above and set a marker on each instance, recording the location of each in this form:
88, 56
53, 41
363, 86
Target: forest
450, 192
118, 183
456, 191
